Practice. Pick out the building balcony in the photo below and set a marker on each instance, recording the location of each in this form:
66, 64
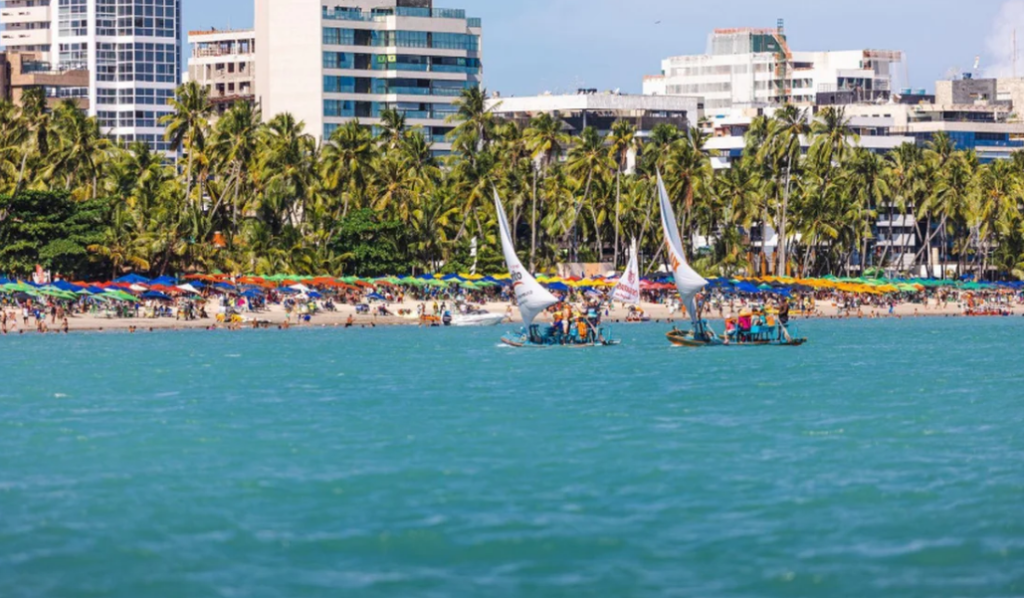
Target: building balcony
25, 37
49, 78
13, 15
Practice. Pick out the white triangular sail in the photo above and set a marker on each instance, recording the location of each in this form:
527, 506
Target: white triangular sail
531, 297
688, 282
628, 289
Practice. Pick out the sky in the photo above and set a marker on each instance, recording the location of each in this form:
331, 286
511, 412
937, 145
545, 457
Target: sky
533, 46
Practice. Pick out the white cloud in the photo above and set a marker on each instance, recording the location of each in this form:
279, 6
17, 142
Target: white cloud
1000, 40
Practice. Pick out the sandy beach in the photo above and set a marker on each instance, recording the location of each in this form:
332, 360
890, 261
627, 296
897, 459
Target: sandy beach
275, 317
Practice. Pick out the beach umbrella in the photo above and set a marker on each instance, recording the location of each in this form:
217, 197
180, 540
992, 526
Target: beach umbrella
64, 285
120, 295
188, 288
164, 281
156, 295
132, 279
299, 287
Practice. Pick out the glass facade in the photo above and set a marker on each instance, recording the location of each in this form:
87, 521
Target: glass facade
334, 36
135, 61
387, 68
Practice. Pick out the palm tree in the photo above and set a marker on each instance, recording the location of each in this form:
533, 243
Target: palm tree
81, 151
903, 173
783, 148
475, 121
867, 184
687, 172
392, 128
545, 139
347, 162
587, 159
33, 132
621, 141
187, 126
234, 151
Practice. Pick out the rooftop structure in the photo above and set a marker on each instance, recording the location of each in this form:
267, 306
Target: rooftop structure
589, 108
757, 67
225, 63
329, 62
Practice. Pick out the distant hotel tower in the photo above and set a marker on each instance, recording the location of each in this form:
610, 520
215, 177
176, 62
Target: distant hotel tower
328, 62
120, 59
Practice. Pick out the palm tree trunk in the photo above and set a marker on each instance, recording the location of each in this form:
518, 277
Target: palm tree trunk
576, 216
618, 204
21, 172
533, 225
188, 179
782, 224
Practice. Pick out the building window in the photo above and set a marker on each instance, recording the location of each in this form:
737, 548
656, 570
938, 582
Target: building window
339, 84
339, 60
334, 36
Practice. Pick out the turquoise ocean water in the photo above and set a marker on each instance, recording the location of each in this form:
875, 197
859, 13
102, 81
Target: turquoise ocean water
883, 459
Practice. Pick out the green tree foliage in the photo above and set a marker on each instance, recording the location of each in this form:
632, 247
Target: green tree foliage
262, 194
49, 229
375, 245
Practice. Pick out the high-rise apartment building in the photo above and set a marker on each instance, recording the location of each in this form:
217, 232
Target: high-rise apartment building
328, 62
131, 50
225, 63
757, 67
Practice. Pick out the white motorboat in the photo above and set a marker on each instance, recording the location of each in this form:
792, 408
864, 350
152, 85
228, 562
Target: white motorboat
477, 317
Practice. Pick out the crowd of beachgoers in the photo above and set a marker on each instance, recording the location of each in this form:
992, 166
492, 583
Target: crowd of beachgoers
135, 303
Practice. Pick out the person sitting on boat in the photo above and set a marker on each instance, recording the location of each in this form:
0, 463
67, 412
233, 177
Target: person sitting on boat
582, 330
745, 323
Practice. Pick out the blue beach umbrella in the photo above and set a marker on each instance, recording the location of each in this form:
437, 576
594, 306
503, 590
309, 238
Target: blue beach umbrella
132, 279
156, 295
166, 281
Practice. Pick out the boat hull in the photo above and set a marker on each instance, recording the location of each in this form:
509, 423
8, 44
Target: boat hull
528, 345
477, 321
681, 338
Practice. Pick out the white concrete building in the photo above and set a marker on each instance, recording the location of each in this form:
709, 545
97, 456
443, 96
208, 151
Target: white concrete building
328, 62
130, 48
225, 63
26, 25
757, 67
